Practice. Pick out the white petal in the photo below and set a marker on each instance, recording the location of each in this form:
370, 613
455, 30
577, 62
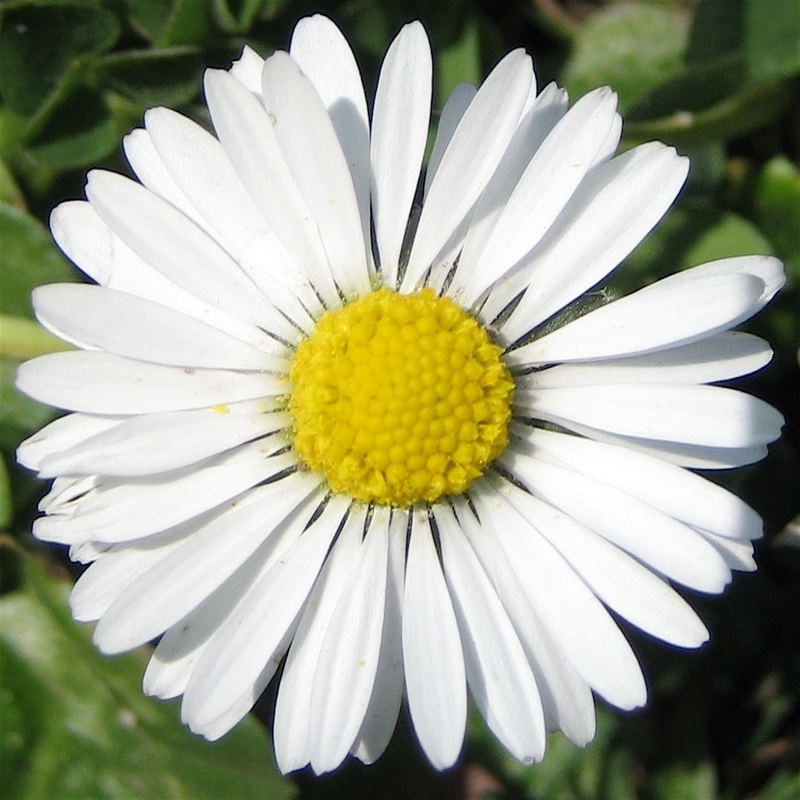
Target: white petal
66, 494
620, 581
499, 676
738, 554
570, 612
91, 244
248, 136
399, 135
664, 314
610, 143
470, 159
387, 695
293, 712
136, 447
111, 574
323, 53
179, 649
87, 552
448, 256
168, 673
197, 164
254, 633
617, 204
548, 182
61, 434
675, 491
348, 660
432, 653
566, 698
247, 70
105, 258
173, 660
661, 542
200, 166
224, 723
168, 591
685, 455
699, 415
149, 168
137, 328
163, 237
767, 268
103, 383
718, 358
125, 511
537, 122
453, 110
313, 155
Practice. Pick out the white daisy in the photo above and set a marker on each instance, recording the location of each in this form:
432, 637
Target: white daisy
302, 428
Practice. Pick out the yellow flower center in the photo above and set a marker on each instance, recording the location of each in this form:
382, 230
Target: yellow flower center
399, 399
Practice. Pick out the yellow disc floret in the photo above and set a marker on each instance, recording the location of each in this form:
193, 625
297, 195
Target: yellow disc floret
399, 399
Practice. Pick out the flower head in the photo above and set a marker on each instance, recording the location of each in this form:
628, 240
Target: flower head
310, 426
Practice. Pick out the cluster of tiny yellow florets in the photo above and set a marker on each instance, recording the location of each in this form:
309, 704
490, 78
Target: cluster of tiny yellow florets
399, 399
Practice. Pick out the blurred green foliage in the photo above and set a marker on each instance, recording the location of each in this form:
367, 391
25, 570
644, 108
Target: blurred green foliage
53, 673
719, 79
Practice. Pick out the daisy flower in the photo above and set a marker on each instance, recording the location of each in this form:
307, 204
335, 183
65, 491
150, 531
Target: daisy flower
328, 411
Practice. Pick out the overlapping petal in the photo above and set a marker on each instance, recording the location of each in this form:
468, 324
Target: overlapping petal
472, 155
399, 134
322, 52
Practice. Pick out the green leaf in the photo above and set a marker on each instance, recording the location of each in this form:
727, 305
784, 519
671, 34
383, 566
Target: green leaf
741, 113
22, 712
709, 164
600, 771
80, 728
36, 178
769, 43
619, 776
777, 209
784, 785
39, 41
733, 77
23, 338
6, 515
150, 17
168, 23
74, 128
685, 782
631, 48
9, 188
772, 45
271, 8
369, 29
691, 88
718, 29
12, 129
731, 235
460, 61
29, 258
237, 16
154, 77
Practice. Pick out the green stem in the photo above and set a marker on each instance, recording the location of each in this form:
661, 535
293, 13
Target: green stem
734, 116
9, 189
